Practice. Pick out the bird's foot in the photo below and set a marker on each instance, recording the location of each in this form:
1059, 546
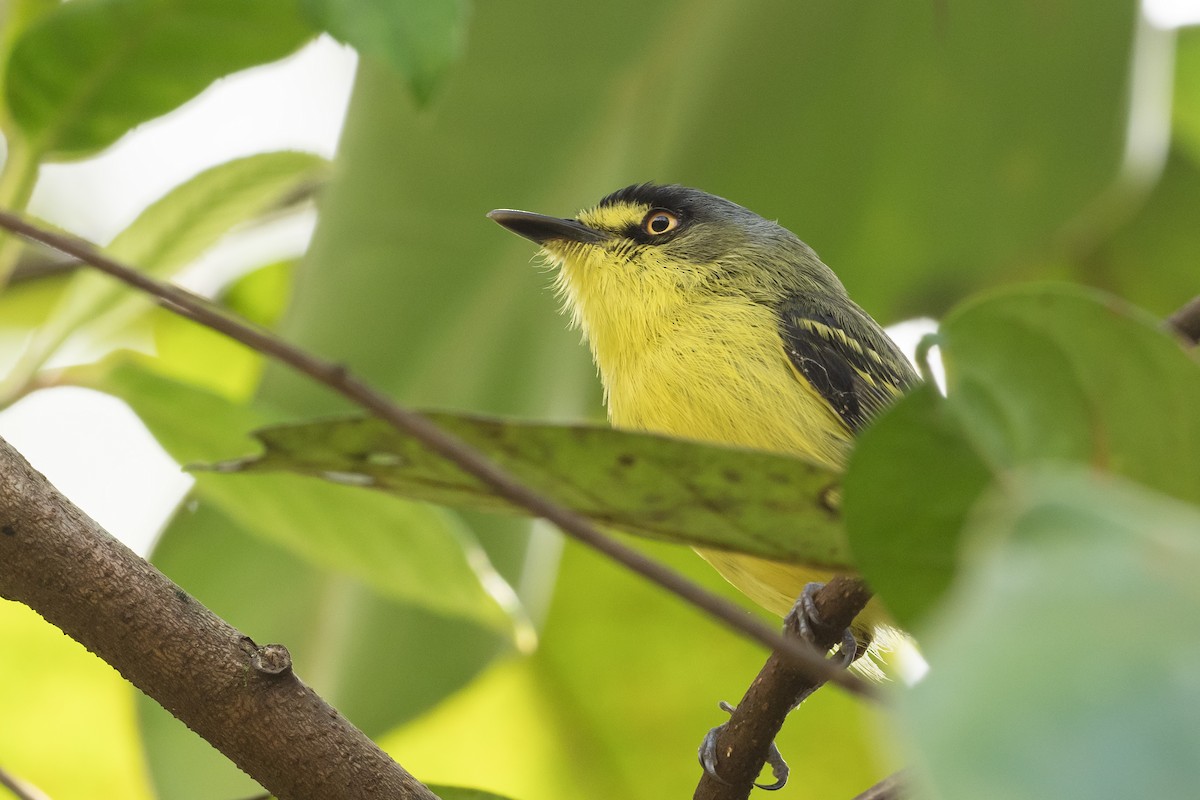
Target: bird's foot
803, 621
708, 757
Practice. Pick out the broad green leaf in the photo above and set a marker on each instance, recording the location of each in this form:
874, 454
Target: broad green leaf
169, 234
81, 76
912, 481
1059, 373
1151, 260
1036, 374
407, 551
417, 38
355, 646
1062, 661
650, 486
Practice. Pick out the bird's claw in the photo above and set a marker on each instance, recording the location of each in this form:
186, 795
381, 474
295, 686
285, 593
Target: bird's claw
708, 757
805, 622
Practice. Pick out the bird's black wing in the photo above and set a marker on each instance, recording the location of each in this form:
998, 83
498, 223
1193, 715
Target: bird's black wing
846, 356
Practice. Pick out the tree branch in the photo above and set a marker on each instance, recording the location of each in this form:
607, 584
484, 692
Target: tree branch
893, 787
743, 743
339, 379
1186, 321
243, 699
20, 789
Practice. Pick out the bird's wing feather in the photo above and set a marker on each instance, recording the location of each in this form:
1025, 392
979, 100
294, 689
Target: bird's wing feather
847, 357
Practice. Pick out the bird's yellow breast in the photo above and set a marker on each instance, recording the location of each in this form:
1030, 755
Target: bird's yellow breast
677, 360
719, 373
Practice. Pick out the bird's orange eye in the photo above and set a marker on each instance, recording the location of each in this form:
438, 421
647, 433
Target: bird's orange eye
660, 221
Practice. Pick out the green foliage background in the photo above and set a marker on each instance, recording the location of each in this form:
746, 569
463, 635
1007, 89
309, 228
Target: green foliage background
927, 151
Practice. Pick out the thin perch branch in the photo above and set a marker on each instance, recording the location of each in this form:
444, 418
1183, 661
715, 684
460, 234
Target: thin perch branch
243, 699
893, 787
743, 743
339, 379
1186, 321
20, 789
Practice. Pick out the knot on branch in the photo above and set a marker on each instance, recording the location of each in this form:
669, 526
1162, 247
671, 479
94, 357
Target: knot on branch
269, 659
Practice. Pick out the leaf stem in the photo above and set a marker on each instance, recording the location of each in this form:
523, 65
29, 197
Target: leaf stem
17, 180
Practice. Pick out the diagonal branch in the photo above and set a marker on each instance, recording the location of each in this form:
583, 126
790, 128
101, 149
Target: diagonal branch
339, 379
1186, 321
743, 742
242, 698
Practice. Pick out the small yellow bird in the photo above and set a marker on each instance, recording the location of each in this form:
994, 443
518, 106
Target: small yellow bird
709, 322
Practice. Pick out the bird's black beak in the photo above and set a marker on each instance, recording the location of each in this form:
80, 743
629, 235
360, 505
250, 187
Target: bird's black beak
542, 229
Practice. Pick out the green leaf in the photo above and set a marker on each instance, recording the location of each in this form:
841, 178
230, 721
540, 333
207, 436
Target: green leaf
1035, 375
84, 74
1185, 107
355, 646
1062, 662
62, 702
169, 234
1059, 373
202, 357
912, 481
651, 486
417, 38
407, 551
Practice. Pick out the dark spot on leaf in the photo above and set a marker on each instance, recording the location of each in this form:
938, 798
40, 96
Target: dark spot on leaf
732, 475
626, 460
9, 530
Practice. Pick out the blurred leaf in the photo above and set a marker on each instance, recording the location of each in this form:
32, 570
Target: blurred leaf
202, 357
1035, 374
261, 296
63, 705
25, 305
1185, 107
619, 658
85, 73
170, 233
1063, 661
407, 551
1152, 259
1055, 372
652, 486
913, 478
190, 218
511, 732
417, 38
355, 646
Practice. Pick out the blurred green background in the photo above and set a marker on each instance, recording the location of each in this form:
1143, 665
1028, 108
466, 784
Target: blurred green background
927, 151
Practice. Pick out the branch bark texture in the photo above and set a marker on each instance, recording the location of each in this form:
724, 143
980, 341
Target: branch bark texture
242, 698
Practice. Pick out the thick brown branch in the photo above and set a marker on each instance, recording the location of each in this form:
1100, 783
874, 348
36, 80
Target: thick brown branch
339, 379
243, 699
743, 743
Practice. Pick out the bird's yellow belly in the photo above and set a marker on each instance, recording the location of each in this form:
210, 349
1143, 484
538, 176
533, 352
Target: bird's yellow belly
692, 389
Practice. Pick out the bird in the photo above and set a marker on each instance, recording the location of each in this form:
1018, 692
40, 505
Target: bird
707, 321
